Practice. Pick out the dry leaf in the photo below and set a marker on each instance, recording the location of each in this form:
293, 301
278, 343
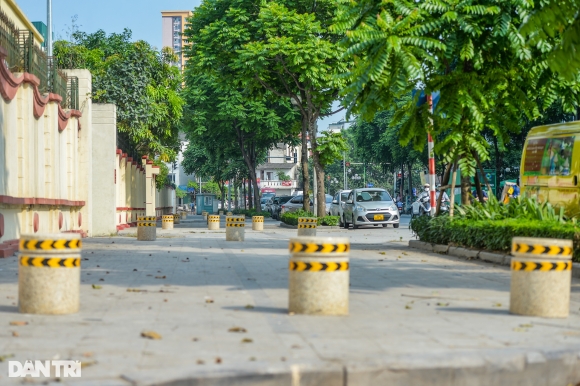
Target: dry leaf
87, 354
382, 253
200, 362
14, 333
408, 307
7, 356
208, 299
497, 305
18, 323
135, 290
247, 340
87, 363
237, 329
218, 360
97, 286
442, 304
151, 335
249, 307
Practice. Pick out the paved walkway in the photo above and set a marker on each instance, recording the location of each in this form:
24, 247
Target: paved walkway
415, 318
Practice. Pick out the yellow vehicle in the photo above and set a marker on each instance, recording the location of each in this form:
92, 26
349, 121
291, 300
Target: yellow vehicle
551, 164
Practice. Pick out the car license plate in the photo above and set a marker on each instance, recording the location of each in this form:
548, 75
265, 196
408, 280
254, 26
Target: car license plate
379, 217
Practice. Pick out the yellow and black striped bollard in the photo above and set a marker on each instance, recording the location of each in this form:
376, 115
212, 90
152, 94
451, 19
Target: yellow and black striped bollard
49, 273
167, 221
257, 223
307, 226
319, 275
147, 228
213, 222
541, 271
235, 228
176, 219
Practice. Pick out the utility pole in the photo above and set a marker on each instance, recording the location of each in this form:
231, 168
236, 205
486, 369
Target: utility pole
49, 28
344, 168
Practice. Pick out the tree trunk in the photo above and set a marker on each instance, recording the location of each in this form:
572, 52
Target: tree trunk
478, 188
248, 149
320, 195
444, 182
410, 167
402, 180
245, 194
465, 190
453, 179
304, 161
250, 195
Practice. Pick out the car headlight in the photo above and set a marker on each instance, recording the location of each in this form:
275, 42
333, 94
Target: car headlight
393, 207
360, 209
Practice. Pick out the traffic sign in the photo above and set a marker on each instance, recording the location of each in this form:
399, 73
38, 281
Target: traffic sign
370, 185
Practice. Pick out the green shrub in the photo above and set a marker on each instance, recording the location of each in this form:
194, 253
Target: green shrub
491, 235
329, 220
291, 218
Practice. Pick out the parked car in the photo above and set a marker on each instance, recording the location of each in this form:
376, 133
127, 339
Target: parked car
337, 207
370, 206
263, 202
274, 205
295, 204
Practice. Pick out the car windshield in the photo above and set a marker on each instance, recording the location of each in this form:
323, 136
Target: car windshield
372, 195
263, 200
328, 199
284, 200
344, 197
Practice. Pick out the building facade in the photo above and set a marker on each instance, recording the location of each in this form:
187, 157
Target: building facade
279, 174
173, 25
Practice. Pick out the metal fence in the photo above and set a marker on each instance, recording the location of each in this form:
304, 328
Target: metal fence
23, 55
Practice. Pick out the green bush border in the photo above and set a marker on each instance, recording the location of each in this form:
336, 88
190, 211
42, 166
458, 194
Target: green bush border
291, 218
491, 235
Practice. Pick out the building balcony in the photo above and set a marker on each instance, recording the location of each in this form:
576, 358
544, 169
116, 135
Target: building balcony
278, 184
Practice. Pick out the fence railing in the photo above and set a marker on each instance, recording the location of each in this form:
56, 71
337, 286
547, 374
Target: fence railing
23, 55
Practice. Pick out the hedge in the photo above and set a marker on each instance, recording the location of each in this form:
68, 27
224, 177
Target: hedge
291, 218
491, 235
251, 212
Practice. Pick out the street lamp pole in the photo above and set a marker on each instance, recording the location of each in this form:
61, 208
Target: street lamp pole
49, 27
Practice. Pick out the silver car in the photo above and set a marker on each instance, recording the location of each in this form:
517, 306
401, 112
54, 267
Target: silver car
294, 204
370, 206
337, 207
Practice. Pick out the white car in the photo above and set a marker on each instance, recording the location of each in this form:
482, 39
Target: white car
337, 207
370, 206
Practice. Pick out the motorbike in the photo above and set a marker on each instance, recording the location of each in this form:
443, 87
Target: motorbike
422, 207
400, 206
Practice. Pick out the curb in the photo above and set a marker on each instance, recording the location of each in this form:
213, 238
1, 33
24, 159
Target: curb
472, 254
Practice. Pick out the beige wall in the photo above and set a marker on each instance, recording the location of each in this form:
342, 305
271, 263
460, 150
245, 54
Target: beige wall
14, 13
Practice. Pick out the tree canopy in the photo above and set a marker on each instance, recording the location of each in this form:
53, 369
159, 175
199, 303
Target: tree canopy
139, 80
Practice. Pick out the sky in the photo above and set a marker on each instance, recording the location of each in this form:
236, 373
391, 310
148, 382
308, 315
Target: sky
143, 17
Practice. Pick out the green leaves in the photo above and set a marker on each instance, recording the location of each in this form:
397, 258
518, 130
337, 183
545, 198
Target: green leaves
331, 146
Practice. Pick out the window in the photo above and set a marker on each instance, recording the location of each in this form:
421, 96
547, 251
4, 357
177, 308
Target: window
268, 176
343, 197
373, 195
350, 197
297, 200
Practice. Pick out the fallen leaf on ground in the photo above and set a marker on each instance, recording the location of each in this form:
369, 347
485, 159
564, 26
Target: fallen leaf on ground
382, 253
18, 323
249, 306
518, 329
161, 277
218, 360
423, 261
442, 304
87, 363
497, 305
6, 356
208, 299
237, 329
97, 286
247, 340
408, 307
14, 333
87, 354
151, 335
195, 339
199, 361
252, 359
135, 290
527, 325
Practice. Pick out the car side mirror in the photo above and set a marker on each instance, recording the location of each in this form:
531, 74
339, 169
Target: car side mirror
334, 202
349, 202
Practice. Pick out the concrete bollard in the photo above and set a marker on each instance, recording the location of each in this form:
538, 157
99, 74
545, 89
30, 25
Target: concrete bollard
167, 222
307, 226
213, 222
235, 228
49, 273
176, 219
183, 215
204, 215
147, 228
319, 275
257, 223
229, 214
221, 212
541, 271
